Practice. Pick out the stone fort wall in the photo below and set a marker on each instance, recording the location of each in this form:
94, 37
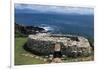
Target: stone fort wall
44, 46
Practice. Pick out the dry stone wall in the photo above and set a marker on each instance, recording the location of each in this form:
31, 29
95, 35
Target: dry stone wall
44, 45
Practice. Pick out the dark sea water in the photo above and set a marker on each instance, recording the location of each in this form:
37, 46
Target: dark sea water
59, 23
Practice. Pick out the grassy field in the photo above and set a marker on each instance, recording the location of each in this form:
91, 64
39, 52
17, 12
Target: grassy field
21, 59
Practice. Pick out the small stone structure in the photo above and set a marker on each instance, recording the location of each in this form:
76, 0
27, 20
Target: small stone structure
57, 51
44, 44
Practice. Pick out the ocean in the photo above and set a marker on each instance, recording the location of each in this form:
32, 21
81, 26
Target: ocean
59, 23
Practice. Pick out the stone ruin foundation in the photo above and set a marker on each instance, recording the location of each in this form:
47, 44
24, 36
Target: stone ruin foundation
71, 46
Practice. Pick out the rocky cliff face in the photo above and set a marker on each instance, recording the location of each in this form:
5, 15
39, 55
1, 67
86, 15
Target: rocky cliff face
26, 30
73, 46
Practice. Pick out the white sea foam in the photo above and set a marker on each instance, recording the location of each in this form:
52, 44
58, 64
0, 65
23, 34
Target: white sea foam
48, 28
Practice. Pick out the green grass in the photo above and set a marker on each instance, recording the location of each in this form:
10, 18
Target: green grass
19, 58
